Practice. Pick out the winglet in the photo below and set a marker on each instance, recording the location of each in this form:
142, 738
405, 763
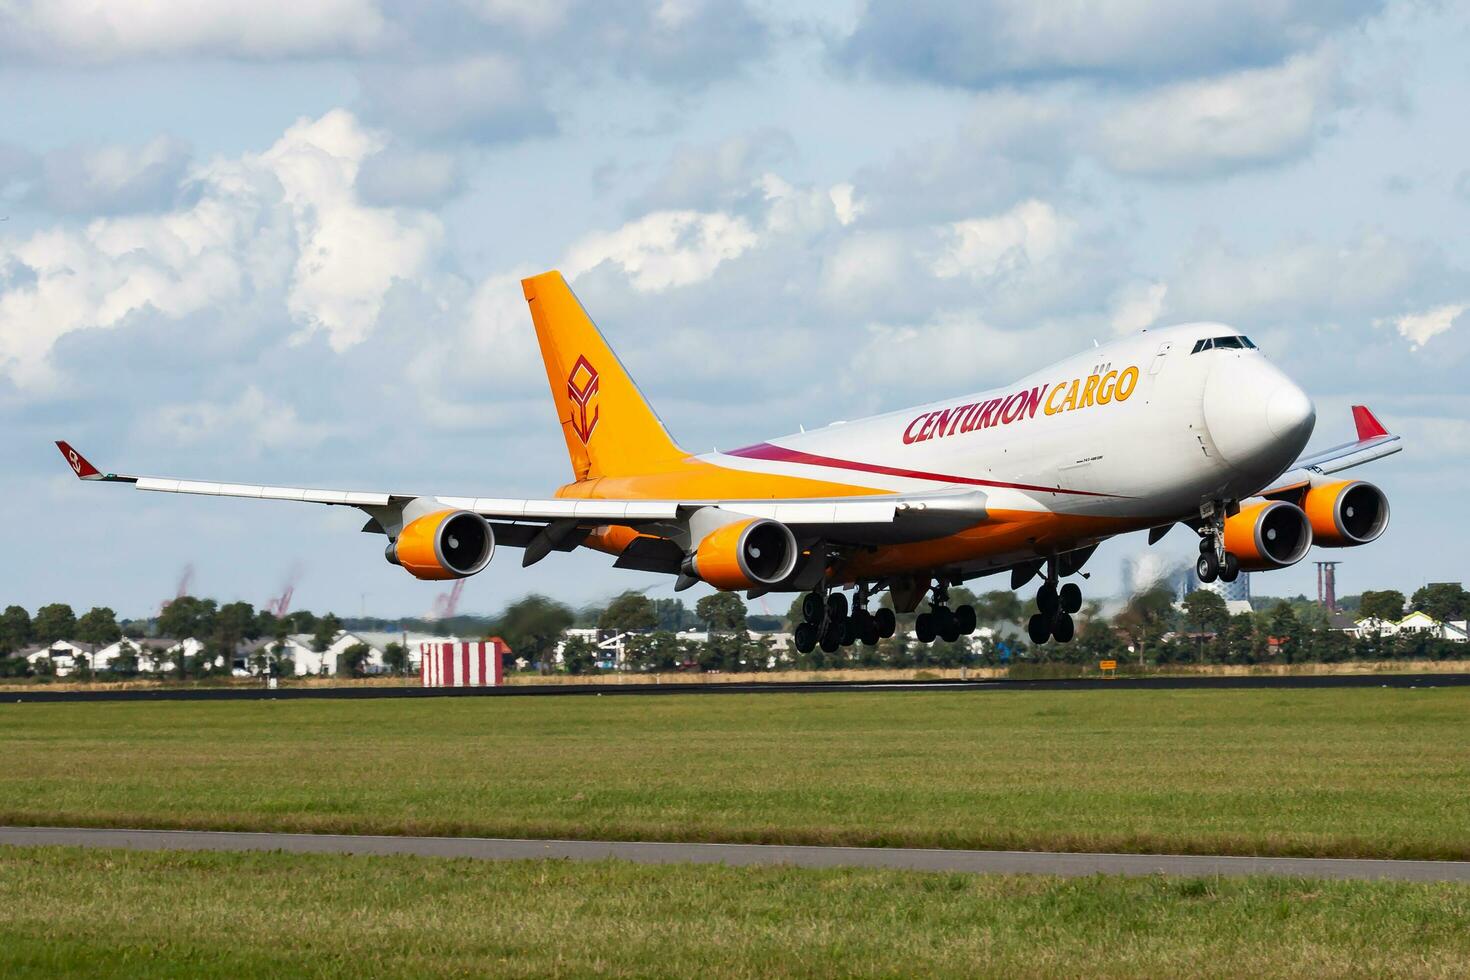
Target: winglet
78, 462
1368, 425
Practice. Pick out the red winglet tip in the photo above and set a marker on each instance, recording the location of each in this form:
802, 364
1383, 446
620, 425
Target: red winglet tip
77, 461
1368, 425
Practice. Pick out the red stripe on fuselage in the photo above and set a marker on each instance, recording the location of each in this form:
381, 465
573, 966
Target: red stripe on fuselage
780, 454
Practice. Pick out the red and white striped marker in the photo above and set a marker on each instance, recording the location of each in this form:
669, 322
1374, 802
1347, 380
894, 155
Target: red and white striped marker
461, 664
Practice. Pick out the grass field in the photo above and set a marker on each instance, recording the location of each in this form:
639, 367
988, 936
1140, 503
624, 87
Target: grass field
117, 913
1372, 772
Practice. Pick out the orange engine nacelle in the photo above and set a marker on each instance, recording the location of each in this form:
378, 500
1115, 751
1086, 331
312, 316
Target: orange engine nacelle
745, 555
1269, 534
445, 544
1346, 513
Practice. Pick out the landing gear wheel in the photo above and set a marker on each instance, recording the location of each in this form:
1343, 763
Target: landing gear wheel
832, 636
924, 627
945, 624
868, 632
964, 618
1070, 597
1206, 546
1063, 629
1046, 600
1208, 567
837, 605
812, 607
806, 638
1230, 571
1038, 628
849, 632
887, 622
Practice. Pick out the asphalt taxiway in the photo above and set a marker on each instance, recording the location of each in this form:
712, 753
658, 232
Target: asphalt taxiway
1246, 681
912, 859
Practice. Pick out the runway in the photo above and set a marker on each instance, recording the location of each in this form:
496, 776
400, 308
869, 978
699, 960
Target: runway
741, 855
1248, 681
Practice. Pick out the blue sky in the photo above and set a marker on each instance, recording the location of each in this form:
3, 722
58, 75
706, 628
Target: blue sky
280, 242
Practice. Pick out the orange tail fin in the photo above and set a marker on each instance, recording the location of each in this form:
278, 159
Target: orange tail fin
609, 427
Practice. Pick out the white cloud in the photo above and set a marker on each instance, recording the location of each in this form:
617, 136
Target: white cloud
349, 254
535, 17
284, 226
1300, 279
402, 175
1138, 306
254, 421
113, 178
112, 30
941, 355
486, 97
665, 249
1420, 328
707, 176
1029, 233
1220, 124
792, 210
986, 43
845, 203
864, 267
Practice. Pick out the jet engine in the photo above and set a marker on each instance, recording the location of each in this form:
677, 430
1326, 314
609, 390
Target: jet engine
1346, 513
1269, 534
745, 555
442, 545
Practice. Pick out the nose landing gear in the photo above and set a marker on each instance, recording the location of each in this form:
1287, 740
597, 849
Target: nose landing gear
1214, 561
1055, 606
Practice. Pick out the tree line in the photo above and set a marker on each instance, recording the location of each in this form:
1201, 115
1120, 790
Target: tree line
1148, 630
220, 628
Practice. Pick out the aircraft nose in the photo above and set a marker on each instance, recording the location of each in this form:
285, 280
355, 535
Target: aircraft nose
1258, 418
1290, 413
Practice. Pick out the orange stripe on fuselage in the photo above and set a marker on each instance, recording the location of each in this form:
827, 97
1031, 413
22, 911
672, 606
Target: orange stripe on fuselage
1005, 533
695, 479
1021, 533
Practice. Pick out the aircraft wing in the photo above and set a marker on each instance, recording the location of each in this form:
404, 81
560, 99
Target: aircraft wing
1373, 442
518, 520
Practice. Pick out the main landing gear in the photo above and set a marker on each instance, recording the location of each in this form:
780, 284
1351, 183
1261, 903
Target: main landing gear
1214, 561
942, 622
1055, 606
829, 624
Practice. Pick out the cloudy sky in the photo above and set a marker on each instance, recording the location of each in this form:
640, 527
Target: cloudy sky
280, 242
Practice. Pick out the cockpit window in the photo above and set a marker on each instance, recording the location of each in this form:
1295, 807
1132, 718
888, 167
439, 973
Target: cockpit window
1227, 343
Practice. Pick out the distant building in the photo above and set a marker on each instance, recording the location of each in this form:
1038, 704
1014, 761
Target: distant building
1414, 623
1237, 594
63, 655
307, 661
154, 654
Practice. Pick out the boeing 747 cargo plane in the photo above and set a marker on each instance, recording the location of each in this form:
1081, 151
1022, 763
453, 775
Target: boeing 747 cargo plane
1183, 425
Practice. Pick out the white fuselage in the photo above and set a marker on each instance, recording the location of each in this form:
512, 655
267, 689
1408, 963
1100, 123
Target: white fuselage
1142, 427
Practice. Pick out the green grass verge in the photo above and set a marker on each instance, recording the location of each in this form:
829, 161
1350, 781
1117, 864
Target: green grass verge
119, 913
1355, 772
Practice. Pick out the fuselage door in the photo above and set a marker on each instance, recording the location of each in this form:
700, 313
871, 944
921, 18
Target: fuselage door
1158, 364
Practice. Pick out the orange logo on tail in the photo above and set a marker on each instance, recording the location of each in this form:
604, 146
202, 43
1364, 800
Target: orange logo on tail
581, 395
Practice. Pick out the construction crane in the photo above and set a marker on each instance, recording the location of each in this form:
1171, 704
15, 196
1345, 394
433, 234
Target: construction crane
186, 582
280, 606
447, 603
